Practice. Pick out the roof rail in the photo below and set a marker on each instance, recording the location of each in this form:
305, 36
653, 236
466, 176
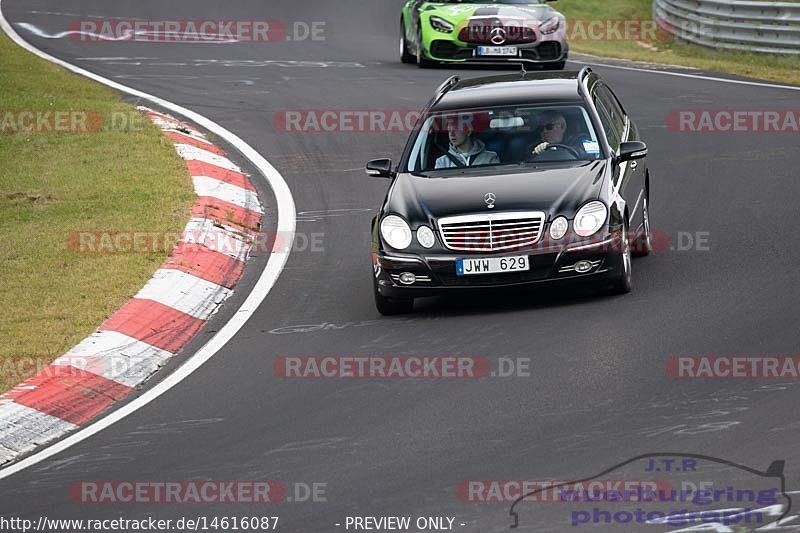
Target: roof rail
442, 90
582, 75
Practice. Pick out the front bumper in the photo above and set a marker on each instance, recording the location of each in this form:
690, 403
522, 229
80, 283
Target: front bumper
436, 272
538, 52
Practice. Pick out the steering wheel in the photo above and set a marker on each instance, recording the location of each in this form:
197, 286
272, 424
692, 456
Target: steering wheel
569, 149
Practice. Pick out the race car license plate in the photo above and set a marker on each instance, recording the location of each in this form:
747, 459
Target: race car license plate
492, 265
505, 51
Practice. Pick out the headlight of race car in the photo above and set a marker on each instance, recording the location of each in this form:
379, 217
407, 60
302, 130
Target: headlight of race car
440, 24
558, 228
425, 236
590, 218
550, 25
395, 232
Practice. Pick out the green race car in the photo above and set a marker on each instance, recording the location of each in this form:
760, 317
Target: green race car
489, 31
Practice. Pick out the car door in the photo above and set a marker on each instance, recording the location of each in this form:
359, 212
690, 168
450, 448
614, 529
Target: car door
638, 168
629, 176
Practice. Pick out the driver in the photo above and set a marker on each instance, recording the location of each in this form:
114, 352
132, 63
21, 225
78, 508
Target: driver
553, 127
464, 148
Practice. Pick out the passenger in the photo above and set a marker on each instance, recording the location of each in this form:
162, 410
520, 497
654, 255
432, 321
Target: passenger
464, 148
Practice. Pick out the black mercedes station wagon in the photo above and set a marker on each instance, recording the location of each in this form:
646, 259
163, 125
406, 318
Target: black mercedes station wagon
512, 180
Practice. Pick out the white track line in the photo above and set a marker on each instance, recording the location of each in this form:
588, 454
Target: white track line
277, 260
692, 76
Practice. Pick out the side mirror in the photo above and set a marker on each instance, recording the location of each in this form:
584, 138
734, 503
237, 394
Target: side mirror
631, 150
380, 168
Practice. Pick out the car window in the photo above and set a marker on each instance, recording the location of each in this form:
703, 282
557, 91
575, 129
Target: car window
503, 136
608, 124
613, 99
614, 109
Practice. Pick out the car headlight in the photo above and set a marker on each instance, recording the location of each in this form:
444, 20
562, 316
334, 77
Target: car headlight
590, 218
396, 232
425, 236
440, 24
558, 228
550, 25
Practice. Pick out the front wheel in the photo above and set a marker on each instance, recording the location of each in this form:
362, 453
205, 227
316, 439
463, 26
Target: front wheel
392, 306
405, 56
644, 243
623, 283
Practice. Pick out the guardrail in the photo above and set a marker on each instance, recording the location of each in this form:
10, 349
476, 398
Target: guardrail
770, 27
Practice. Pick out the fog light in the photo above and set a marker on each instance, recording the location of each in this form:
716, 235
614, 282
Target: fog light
582, 267
407, 278
559, 228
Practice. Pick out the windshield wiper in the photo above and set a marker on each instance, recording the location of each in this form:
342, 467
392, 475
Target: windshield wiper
461, 171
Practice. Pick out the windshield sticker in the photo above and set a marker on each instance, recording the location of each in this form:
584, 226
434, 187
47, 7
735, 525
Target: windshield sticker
591, 147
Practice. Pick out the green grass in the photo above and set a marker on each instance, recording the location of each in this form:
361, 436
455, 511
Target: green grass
52, 184
664, 49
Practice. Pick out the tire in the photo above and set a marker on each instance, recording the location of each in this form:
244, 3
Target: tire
392, 306
644, 242
405, 56
623, 284
422, 61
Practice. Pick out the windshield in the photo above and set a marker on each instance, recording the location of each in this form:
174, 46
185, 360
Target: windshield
503, 136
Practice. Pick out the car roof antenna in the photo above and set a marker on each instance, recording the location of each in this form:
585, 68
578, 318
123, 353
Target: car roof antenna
523, 71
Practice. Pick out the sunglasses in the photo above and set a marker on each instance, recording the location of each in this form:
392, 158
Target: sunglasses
551, 125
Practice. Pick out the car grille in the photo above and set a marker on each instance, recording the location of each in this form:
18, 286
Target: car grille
492, 31
450, 50
452, 280
546, 51
491, 232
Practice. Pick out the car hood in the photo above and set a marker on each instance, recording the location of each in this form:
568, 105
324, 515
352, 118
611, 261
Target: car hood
458, 13
552, 190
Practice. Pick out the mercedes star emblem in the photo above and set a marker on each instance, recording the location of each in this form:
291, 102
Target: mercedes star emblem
498, 36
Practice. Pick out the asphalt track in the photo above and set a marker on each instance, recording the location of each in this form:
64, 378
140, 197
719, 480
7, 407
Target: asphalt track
598, 392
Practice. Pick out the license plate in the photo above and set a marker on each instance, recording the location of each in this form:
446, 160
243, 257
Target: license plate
492, 265
505, 51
